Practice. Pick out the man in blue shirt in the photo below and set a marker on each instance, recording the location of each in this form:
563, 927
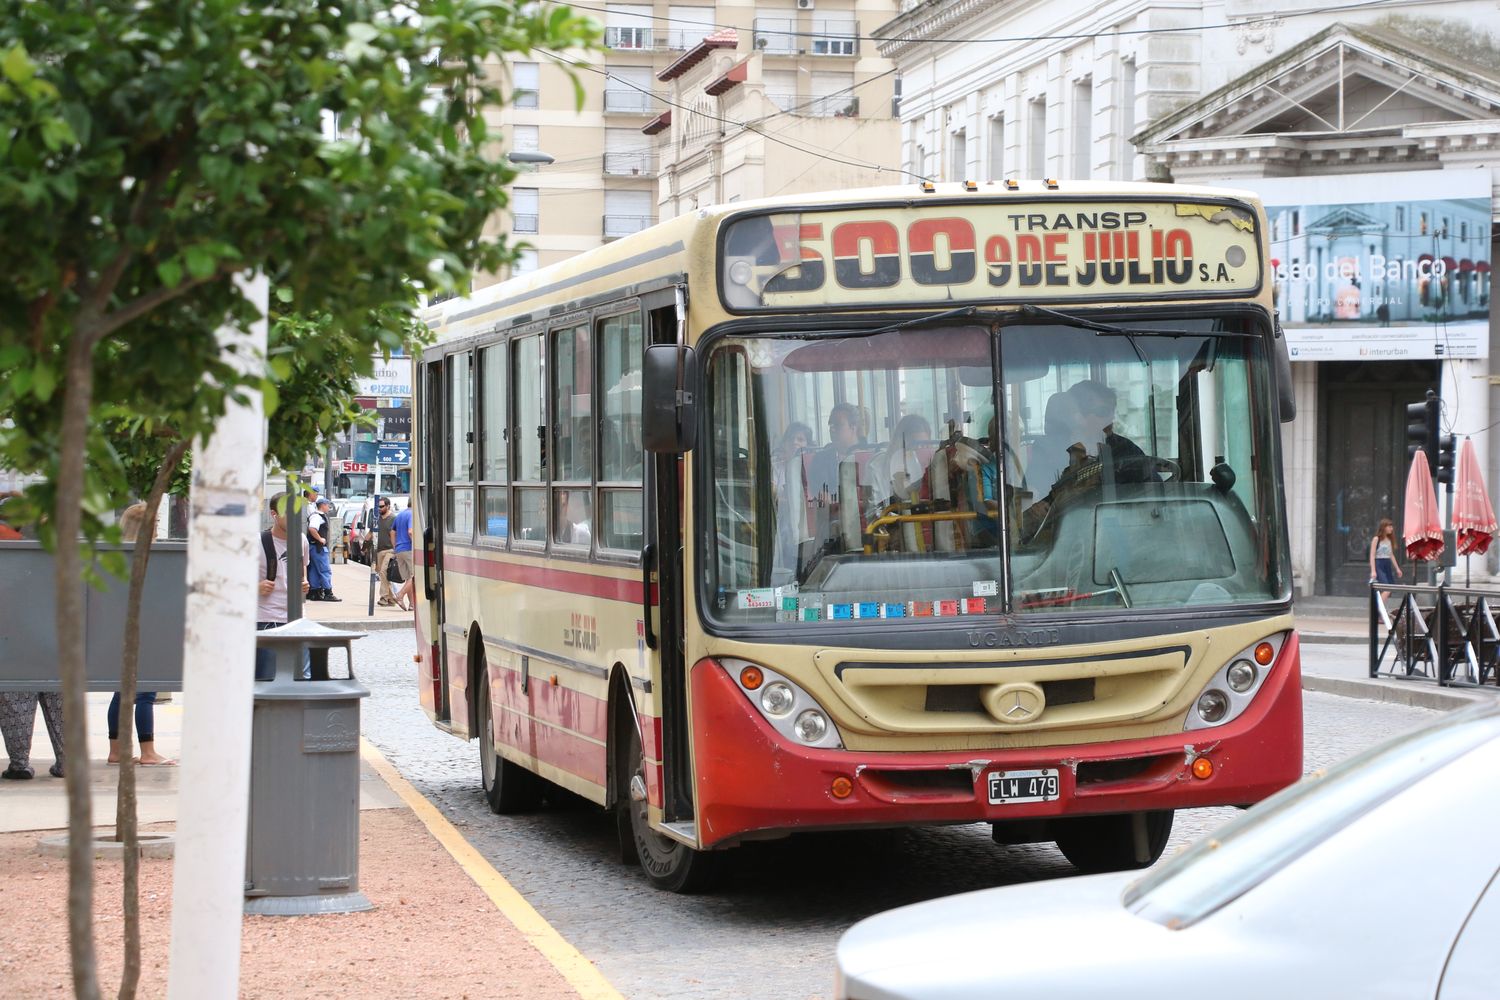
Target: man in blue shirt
402, 529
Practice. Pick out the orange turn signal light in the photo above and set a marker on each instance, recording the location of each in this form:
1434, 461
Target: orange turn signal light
841, 787
1264, 653
751, 678
1203, 768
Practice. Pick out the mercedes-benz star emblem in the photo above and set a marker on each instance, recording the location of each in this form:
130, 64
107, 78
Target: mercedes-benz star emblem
1015, 703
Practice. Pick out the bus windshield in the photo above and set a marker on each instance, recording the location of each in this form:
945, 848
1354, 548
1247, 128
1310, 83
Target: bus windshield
1050, 468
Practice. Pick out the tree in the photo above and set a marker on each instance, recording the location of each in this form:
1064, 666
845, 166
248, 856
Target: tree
151, 152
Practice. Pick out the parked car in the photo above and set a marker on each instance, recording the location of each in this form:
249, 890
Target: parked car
1378, 878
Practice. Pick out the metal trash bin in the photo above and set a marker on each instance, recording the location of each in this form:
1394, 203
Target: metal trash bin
302, 852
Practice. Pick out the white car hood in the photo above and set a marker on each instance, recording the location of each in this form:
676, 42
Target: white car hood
1029, 931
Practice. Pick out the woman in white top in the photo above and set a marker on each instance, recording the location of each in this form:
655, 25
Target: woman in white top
1383, 565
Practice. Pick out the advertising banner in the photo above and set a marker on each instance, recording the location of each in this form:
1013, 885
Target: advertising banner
389, 378
1381, 267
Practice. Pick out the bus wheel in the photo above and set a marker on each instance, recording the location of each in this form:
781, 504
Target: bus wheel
508, 787
668, 863
1113, 843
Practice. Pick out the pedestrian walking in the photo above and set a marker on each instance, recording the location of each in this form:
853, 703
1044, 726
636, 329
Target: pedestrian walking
18, 708
274, 579
385, 549
132, 520
18, 719
319, 569
401, 526
1383, 565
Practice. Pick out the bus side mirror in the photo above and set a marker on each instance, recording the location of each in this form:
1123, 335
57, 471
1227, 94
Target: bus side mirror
1285, 396
669, 417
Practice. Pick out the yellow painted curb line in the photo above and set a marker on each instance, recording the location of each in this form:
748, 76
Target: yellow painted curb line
580, 973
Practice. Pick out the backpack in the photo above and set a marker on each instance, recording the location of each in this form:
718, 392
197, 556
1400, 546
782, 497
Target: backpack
270, 549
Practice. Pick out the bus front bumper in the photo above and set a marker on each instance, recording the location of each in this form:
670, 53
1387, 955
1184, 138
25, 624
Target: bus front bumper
752, 781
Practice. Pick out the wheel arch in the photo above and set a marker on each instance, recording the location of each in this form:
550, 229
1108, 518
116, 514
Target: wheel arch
476, 658
622, 712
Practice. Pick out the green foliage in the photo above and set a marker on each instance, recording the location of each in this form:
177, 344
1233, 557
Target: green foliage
150, 153
317, 361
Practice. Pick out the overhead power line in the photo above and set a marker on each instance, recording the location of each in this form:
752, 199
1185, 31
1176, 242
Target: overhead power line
1058, 36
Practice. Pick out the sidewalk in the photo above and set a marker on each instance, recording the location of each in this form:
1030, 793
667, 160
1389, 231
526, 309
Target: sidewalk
351, 584
1336, 660
436, 900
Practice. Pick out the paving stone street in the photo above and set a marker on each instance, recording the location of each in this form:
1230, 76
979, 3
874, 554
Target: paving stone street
771, 930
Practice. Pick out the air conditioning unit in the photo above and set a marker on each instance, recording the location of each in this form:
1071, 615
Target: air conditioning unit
805, 4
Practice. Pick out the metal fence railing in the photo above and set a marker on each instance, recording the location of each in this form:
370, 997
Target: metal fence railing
1437, 633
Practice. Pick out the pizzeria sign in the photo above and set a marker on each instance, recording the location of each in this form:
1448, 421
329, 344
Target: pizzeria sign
997, 252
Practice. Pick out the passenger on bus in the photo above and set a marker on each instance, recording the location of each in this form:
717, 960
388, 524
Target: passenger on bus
843, 439
896, 474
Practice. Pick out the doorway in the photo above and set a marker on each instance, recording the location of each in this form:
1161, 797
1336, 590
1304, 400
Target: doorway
1363, 466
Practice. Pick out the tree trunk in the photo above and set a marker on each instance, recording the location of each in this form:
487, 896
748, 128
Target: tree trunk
67, 518
213, 801
125, 803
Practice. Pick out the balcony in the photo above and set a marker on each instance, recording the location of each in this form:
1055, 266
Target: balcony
777, 36
839, 106
630, 163
681, 39
616, 226
525, 223
627, 38
627, 101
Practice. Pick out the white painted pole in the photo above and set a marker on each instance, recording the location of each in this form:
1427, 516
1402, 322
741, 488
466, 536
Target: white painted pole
213, 806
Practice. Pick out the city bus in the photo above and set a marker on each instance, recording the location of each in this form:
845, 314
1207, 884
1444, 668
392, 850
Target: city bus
945, 503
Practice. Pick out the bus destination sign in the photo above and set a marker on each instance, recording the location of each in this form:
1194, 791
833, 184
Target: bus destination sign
988, 252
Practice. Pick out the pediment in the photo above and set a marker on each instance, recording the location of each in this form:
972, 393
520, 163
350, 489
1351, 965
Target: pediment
1345, 219
1343, 80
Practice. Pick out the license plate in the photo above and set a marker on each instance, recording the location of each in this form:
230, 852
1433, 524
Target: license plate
1007, 787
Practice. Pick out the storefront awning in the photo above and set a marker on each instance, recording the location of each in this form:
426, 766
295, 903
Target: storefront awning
1450, 263
1483, 267
1466, 265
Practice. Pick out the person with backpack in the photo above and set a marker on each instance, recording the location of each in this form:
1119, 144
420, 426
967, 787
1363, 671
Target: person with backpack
270, 609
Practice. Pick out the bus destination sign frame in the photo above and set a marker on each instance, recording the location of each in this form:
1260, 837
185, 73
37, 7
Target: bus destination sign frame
949, 253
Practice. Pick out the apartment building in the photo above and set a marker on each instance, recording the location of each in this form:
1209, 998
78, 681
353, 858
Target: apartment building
648, 142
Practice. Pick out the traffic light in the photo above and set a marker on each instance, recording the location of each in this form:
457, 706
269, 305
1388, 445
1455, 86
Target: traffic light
1422, 429
1445, 463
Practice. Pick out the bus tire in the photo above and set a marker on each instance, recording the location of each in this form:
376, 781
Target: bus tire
669, 864
1113, 843
508, 787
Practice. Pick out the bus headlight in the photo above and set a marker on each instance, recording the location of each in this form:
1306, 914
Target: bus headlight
777, 699
811, 726
1241, 675
788, 709
1231, 689
1213, 705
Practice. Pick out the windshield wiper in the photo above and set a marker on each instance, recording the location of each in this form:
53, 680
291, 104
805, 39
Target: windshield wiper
1087, 324
920, 320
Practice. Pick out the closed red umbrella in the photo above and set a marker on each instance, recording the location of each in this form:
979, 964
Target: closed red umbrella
1473, 516
1422, 526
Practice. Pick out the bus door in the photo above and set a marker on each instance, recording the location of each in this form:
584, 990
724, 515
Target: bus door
430, 511
665, 315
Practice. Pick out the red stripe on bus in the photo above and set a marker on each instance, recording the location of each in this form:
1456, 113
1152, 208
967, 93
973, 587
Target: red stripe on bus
567, 581
558, 747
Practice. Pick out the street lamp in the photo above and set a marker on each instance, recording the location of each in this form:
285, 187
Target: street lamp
529, 156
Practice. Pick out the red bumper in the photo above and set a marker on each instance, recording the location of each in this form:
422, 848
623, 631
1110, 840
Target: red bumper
752, 779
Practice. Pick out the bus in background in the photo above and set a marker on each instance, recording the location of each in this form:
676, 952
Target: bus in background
933, 504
